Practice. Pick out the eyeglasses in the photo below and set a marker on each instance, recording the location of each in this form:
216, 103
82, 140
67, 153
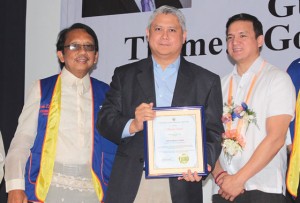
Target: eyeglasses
77, 47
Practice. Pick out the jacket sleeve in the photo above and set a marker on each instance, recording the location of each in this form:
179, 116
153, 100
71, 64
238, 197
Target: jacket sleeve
111, 121
214, 126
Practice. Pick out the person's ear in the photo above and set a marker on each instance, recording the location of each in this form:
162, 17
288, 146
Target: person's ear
60, 55
96, 57
147, 34
260, 41
184, 36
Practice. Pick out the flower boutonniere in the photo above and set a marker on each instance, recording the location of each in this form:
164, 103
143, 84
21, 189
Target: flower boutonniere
232, 143
233, 140
231, 112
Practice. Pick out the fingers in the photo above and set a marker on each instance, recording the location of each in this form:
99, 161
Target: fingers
224, 195
208, 167
228, 196
182, 177
190, 177
143, 113
231, 198
197, 177
187, 177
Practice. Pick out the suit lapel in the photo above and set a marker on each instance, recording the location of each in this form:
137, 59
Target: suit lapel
183, 83
146, 80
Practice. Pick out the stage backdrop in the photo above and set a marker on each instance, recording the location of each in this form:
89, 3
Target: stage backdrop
122, 37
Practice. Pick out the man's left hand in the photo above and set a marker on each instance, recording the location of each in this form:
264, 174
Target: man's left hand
192, 177
230, 187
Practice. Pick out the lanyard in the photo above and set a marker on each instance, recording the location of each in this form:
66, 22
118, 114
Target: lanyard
229, 99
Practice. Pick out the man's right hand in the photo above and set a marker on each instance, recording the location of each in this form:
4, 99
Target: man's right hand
143, 113
17, 196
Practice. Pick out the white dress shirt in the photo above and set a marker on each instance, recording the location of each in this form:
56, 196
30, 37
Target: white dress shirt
273, 94
73, 152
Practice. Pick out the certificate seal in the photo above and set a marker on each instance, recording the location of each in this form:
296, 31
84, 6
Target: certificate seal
183, 158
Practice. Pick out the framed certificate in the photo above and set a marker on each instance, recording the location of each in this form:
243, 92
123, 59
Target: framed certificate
175, 142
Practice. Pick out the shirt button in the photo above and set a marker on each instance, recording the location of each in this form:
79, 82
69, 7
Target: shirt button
141, 160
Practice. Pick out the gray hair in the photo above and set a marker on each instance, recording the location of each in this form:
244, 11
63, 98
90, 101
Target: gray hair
168, 10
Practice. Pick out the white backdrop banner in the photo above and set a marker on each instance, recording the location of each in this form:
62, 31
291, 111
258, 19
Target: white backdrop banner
122, 36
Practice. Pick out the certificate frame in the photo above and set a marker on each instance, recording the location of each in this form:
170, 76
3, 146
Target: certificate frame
168, 150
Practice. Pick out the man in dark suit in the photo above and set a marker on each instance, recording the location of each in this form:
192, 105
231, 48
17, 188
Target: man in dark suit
164, 79
112, 7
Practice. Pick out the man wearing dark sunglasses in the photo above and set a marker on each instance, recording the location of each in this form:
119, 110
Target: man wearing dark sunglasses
57, 155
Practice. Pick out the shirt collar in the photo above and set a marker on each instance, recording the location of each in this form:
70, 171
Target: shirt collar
72, 81
174, 65
254, 68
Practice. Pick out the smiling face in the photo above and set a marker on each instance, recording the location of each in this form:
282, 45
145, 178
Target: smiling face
242, 44
78, 62
165, 38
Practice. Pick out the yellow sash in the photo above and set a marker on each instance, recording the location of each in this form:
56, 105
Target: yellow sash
96, 181
97, 186
292, 180
49, 146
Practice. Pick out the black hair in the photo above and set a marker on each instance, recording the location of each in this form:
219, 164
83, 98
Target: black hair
257, 26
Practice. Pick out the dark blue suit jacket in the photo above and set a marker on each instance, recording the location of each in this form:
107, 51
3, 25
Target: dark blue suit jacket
133, 84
